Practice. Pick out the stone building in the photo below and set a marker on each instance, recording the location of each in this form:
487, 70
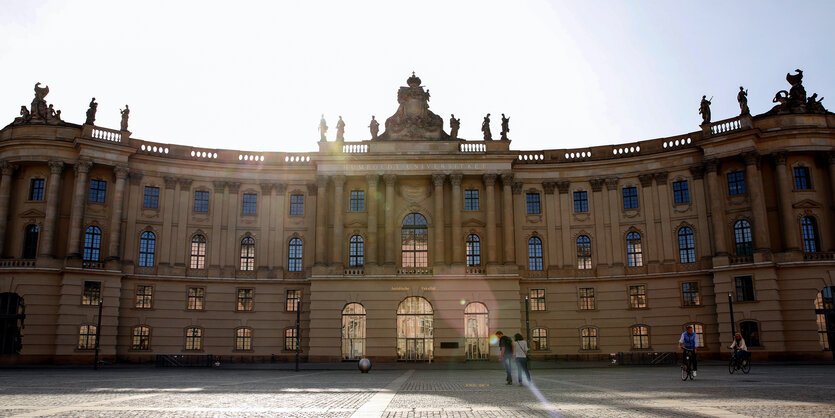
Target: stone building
417, 245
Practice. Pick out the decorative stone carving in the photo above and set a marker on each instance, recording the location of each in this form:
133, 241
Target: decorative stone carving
661, 177
751, 158
338, 180
564, 186
219, 185
121, 171
645, 179
125, 115
489, 179
340, 130
135, 177
7, 169
505, 127
323, 129
91, 112
485, 128
413, 119
549, 187
742, 99
780, 157
266, 188
794, 100
390, 179
698, 172
279, 188
611, 183
170, 182
455, 179
375, 127
312, 188
596, 184
507, 178
40, 112
711, 165
704, 109
438, 179
83, 166
516, 187
234, 187
39, 102
185, 184
322, 182
372, 180
454, 124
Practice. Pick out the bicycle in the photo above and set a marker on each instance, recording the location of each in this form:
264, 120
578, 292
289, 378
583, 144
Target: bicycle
687, 364
737, 363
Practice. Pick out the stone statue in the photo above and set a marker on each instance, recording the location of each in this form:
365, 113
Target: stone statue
454, 124
91, 112
323, 129
39, 108
742, 98
375, 127
50, 112
24, 113
815, 106
704, 110
413, 120
340, 130
505, 127
125, 114
485, 128
794, 100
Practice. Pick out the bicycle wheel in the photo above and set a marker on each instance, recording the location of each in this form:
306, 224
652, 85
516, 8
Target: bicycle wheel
731, 366
746, 366
684, 372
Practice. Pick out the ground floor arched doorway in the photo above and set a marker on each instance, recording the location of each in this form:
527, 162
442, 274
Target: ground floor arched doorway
415, 329
825, 315
11, 323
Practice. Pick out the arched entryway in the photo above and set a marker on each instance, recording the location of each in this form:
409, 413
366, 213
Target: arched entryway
825, 315
476, 331
353, 331
415, 329
11, 323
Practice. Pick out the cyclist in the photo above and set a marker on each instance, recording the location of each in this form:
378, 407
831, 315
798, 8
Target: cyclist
689, 341
739, 347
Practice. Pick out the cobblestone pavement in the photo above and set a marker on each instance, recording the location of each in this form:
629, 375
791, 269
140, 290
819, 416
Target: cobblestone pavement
802, 391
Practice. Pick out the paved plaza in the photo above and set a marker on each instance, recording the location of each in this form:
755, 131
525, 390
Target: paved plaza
438, 390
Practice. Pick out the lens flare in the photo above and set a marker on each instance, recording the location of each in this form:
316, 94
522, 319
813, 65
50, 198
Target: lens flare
463, 302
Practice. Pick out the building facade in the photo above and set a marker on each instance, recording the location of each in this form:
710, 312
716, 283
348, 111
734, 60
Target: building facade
417, 245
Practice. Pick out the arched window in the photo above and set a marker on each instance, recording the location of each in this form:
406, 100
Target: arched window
809, 227
198, 252
141, 338
30, 241
588, 338
476, 331
634, 253
92, 244
686, 245
194, 339
473, 250
535, 254
243, 339
640, 336
356, 251
414, 238
583, 252
353, 331
147, 247
248, 254
825, 315
742, 238
294, 255
415, 329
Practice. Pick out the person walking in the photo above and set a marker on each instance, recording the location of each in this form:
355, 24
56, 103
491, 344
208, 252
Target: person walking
506, 354
520, 351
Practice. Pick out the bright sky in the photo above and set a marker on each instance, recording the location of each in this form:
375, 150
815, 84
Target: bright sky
257, 75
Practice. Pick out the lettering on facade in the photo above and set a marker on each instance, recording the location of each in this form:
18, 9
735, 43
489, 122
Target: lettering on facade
400, 288
405, 167
428, 288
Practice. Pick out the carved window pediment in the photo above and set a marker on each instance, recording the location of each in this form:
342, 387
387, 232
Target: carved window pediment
31, 213
806, 204
472, 222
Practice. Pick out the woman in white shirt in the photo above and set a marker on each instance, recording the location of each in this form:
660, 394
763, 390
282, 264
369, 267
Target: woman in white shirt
741, 350
520, 352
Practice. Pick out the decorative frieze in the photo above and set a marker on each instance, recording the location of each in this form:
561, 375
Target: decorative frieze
611, 183
596, 184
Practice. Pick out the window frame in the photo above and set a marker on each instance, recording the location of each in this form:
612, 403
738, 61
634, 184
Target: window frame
629, 199
589, 341
356, 201
91, 250
691, 296
681, 192
296, 204
147, 249
744, 290
533, 203
539, 339
98, 191
581, 199
243, 342
137, 339
291, 340
746, 334
584, 254
197, 260
295, 255
31, 239
36, 189
192, 342
809, 225
471, 200
635, 298
249, 204
201, 205
537, 300
414, 241
535, 254
150, 201
143, 296
742, 231
292, 300
634, 249
736, 183
247, 259
356, 251
640, 336
199, 297
91, 292
473, 250
686, 254
802, 178
586, 299
245, 299
86, 340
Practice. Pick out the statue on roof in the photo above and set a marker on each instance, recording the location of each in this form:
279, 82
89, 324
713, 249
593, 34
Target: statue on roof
704, 109
323, 129
794, 100
91, 112
505, 127
454, 124
340, 130
39, 107
485, 128
125, 114
375, 127
742, 99
413, 119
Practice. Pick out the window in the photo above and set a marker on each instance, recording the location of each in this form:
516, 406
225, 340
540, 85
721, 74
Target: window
699, 330
291, 339
294, 255
92, 244
537, 299
809, 229
151, 199
243, 339
630, 197
245, 301
539, 339
736, 183
476, 331
194, 339
588, 338
640, 337
198, 252
634, 254
473, 250
36, 189
686, 245
294, 297
532, 203
250, 204
744, 289
353, 331
356, 251
248, 254
144, 296
414, 241
742, 238
195, 298
681, 192
147, 247
581, 202
201, 201
30, 241
535, 254
357, 203
297, 205
87, 337
415, 329
98, 190
141, 338
91, 294
824, 304
802, 181
690, 294
587, 299
637, 296
750, 332
470, 199
583, 252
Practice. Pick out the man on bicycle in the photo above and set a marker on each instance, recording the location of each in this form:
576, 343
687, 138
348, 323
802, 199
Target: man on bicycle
690, 340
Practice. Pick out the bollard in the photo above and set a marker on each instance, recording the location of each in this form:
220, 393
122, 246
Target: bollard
364, 365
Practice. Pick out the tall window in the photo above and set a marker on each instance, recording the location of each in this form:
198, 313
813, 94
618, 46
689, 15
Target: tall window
415, 329
640, 337
245, 300
588, 338
248, 254
414, 241
537, 299
151, 198
291, 303
250, 204
802, 181
91, 293
30, 241
471, 199
198, 252
744, 288
699, 330
356, 251
581, 202
750, 331
297, 205
587, 302
243, 339
357, 203
194, 339
742, 237
147, 249
36, 189
92, 244
583, 252
809, 229
630, 197
294, 255
353, 331
291, 339
824, 306
686, 245
98, 190
637, 296
473, 250
681, 192
690, 294
201, 201
144, 296
634, 253
535, 254
736, 183
539, 339
87, 337
141, 338
476, 331
532, 203
195, 298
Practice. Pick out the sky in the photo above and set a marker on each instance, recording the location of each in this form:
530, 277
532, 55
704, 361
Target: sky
256, 76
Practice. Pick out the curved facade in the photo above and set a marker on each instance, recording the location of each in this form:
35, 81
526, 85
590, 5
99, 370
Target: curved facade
416, 249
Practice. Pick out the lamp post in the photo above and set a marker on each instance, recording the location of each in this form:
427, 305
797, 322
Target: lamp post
527, 318
98, 336
731, 308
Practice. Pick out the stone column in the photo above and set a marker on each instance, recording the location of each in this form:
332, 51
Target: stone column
213, 244
116, 213
129, 255
438, 180
391, 241
565, 225
550, 211
614, 212
698, 198
167, 209
457, 238
5, 192
598, 212
784, 190
233, 245
82, 167
338, 224
508, 226
832, 185
321, 227
277, 253
717, 210
653, 247
264, 220
185, 209
664, 207
490, 191
762, 240
371, 201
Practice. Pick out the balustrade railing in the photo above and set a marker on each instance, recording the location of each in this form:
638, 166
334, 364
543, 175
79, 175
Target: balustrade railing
355, 148
17, 263
354, 271
96, 265
724, 126
741, 259
103, 134
474, 270
470, 148
415, 271
818, 256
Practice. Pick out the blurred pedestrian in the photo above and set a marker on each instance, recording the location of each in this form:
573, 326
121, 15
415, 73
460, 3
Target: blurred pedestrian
506, 346
520, 351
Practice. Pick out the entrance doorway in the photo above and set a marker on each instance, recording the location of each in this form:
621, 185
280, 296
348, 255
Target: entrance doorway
415, 330
476, 332
11, 323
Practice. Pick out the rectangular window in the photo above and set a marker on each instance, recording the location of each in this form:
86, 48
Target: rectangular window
539, 339
144, 296
98, 190
637, 296
297, 205
357, 203
699, 330
250, 203
587, 299
291, 339
581, 202
470, 199
801, 178
744, 289
294, 297
640, 337
201, 201
589, 338
151, 199
243, 339
87, 337
36, 189
245, 301
690, 294
537, 299
630, 197
681, 192
91, 294
736, 183
532, 201
195, 298
194, 339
